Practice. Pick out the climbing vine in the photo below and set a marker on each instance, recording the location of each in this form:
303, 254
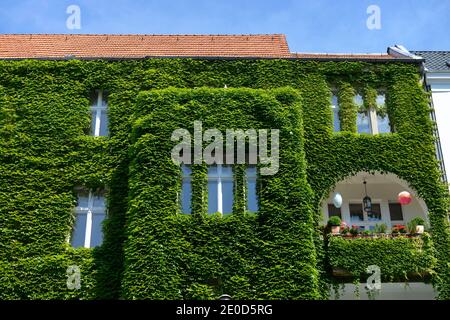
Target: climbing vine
150, 250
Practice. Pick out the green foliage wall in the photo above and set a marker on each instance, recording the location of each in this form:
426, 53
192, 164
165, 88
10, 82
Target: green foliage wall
268, 256
149, 251
397, 258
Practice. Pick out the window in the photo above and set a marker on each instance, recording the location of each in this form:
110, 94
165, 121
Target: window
335, 108
333, 211
372, 121
375, 213
363, 122
252, 199
186, 190
99, 115
395, 210
356, 212
220, 189
90, 213
382, 118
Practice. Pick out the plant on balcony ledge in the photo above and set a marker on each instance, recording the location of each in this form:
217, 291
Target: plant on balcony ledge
416, 225
335, 224
380, 228
345, 230
354, 231
398, 229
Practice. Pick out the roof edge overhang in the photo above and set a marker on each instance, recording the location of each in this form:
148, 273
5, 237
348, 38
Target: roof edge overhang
320, 59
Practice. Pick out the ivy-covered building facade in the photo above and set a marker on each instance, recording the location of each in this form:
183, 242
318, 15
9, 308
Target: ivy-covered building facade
93, 207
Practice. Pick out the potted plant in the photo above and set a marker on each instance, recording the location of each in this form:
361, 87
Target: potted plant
380, 228
412, 227
335, 223
402, 229
345, 230
354, 230
419, 223
395, 231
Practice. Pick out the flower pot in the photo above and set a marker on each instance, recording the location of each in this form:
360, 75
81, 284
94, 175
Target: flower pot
335, 229
420, 229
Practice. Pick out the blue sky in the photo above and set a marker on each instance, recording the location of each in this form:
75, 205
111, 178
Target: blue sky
310, 26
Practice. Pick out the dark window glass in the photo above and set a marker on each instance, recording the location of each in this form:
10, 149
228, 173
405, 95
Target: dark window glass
375, 214
395, 210
333, 211
356, 212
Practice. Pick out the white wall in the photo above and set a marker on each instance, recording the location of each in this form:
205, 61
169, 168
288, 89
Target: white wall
440, 87
389, 291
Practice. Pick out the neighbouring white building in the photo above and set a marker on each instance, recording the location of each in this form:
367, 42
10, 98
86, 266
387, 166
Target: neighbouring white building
437, 79
437, 70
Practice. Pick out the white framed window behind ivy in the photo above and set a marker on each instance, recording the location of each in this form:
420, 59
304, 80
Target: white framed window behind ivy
90, 213
372, 120
99, 113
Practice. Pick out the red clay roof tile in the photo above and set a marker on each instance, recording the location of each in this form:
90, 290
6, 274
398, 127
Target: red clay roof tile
108, 46
140, 46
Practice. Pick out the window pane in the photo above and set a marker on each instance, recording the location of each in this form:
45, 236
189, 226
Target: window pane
97, 231
212, 196
103, 123
383, 124
335, 108
186, 189
375, 214
395, 210
104, 99
381, 100
363, 122
251, 172
99, 201
227, 171
186, 194
79, 230
186, 170
356, 212
83, 199
333, 211
358, 100
93, 119
212, 171
252, 199
227, 196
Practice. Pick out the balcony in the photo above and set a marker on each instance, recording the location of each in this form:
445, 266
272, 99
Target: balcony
383, 191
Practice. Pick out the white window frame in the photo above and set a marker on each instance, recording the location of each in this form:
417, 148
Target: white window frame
219, 178
90, 210
97, 112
